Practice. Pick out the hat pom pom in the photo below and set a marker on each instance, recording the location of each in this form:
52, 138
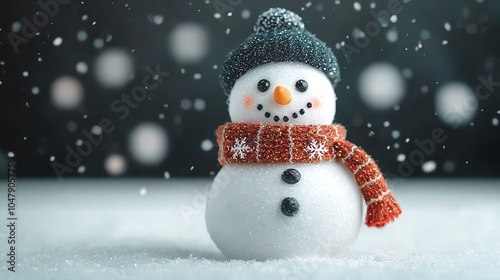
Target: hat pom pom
276, 19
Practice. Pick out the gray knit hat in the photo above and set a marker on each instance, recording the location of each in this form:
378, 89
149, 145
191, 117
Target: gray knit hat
278, 36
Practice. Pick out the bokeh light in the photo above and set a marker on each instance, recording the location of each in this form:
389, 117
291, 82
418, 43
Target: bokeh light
188, 42
66, 92
114, 68
115, 164
381, 86
455, 103
148, 143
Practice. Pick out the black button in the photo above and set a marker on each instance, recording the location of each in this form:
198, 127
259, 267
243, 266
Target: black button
290, 206
291, 176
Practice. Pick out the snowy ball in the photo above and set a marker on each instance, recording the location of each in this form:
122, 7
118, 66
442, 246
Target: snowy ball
283, 93
114, 68
148, 143
381, 86
188, 42
455, 103
278, 18
66, 92
313, 216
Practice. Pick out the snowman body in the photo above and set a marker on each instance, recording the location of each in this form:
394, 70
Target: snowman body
290, 185
245, 220
244, 214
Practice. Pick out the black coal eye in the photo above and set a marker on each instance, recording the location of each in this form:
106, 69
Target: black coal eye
263, 85
301, 85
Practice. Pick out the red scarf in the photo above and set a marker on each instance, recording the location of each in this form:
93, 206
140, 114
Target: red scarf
258, 143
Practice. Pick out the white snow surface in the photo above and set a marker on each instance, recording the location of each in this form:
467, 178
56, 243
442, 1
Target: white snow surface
105, 229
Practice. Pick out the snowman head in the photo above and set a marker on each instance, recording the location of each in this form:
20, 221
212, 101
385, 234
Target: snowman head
283, 93
281, 74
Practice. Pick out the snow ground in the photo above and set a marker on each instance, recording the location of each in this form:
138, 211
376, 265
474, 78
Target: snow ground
135, 229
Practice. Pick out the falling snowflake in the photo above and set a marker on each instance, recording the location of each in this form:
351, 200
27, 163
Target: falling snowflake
316, 149
239, 148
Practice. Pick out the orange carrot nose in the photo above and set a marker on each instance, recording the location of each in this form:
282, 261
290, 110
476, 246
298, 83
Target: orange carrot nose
282, 95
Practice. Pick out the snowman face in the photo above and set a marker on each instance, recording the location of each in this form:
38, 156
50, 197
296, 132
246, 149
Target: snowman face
283, 93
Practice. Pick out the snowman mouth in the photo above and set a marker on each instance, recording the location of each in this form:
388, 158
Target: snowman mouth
285, 118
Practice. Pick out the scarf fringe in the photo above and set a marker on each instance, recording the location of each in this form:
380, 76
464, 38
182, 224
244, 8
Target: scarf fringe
382, 212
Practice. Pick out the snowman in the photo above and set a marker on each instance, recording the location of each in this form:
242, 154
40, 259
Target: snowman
290, 185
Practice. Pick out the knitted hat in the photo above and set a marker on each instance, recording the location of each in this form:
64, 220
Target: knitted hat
279, 36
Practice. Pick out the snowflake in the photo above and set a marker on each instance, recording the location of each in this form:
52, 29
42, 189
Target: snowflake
316, 149
239, 148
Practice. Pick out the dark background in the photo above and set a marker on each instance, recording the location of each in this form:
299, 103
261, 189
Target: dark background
34, 129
